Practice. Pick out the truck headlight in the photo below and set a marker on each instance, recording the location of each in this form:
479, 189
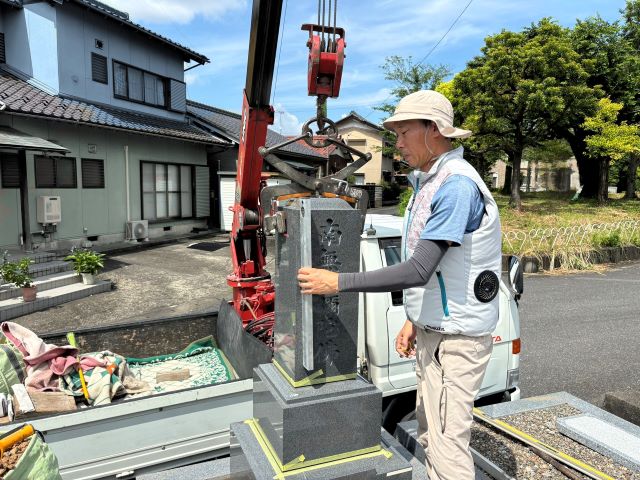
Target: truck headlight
513, 378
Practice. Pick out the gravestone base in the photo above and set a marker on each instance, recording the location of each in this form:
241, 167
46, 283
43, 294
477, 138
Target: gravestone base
251, 459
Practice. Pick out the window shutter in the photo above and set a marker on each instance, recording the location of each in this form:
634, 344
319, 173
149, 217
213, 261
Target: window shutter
178, 94
3, 58
92, 173
202, 192
99, 68
45, 172
9, 170
66, 172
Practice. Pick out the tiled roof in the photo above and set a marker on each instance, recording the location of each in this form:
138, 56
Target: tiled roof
229, 123
322, 151
123, 17
22, 98
360, 119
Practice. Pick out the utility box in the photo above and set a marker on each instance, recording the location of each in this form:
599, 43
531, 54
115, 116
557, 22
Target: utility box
49, 210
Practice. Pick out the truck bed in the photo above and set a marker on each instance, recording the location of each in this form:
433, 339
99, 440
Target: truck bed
131, 437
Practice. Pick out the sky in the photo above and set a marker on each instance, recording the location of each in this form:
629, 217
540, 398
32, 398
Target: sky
375, 29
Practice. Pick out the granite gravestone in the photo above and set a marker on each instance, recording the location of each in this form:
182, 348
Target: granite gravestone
315, 336
310, 409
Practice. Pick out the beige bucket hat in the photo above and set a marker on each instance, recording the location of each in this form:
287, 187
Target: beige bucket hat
428, 105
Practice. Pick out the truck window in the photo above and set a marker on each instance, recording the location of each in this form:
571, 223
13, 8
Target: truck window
391, 250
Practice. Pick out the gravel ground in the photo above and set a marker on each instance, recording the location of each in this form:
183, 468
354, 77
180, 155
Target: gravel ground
154, 282
518, 461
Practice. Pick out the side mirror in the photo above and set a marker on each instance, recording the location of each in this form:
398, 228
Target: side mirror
516, 278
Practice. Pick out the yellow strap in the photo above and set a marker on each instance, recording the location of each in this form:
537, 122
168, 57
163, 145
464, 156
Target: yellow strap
312, 379
588, 469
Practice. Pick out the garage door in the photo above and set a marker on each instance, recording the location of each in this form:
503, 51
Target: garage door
228, 194
227, 197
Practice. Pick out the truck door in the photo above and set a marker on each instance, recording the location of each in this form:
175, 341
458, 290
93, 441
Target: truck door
401, 370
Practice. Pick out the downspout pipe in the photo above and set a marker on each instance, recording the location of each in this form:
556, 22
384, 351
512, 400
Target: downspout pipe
126, 177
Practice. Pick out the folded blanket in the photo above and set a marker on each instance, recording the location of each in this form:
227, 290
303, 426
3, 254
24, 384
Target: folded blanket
45, 362
108, 377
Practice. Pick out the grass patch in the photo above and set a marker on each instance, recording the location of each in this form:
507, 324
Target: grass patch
555, 209
551, 224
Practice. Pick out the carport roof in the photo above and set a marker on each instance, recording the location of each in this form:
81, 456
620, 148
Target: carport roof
11, 138
22, 98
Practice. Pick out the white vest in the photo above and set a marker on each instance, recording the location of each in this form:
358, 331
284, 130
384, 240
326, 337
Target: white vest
451, 302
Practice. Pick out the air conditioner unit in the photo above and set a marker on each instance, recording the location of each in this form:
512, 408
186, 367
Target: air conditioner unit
137, 230
49, 210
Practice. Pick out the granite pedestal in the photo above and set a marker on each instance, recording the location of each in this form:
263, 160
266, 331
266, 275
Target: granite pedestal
252, 460
321, 233
319, 421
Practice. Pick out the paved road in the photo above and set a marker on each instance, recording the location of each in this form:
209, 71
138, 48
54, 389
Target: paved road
581, 333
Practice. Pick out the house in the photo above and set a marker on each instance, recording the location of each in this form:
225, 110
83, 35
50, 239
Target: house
367, 137
95, 124
539, 177
93, 128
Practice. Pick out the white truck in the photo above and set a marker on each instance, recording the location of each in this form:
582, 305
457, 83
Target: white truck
128, 438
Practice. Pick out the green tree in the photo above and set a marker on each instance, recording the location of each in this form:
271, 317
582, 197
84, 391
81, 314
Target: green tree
521, 85
610, 141
631, 30
613, 67
408, 77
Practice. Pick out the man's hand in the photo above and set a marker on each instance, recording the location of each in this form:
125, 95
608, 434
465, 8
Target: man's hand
317, 281
405, 340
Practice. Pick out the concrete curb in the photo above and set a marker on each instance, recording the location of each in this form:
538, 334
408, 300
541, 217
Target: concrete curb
624, 404
531, 264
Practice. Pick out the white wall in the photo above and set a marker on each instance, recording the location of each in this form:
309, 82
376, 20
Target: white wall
31, 42
78, 30
101, 211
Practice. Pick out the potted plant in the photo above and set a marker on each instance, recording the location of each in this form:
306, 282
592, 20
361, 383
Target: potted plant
87, 263
18, 274
5, 260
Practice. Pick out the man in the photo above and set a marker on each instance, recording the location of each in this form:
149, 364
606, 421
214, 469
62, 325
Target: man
452, 228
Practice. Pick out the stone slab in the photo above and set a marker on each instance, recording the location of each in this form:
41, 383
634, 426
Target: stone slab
316, 421
249, 460
551, 400
603, 437
407, 435
323, 233
624, 404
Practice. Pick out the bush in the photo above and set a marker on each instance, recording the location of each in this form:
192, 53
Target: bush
86, 261
18, 273
607, 239
405, 196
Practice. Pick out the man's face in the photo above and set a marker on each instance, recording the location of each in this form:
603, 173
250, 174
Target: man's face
412, 138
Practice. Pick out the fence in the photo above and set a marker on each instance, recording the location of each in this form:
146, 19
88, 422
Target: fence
571, 238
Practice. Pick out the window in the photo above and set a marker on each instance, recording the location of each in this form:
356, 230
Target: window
55, 172
167, 191
99, 68
92, 173
139, 86
391, 249
9, 170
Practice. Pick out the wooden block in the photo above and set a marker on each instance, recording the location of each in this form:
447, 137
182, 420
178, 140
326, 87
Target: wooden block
173, 376
51, 402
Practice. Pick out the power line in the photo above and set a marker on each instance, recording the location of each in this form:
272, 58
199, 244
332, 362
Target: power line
275, 82
432, 48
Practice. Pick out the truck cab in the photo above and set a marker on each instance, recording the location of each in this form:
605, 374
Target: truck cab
382, 315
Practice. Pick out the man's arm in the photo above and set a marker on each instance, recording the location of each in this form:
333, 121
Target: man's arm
412, 273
